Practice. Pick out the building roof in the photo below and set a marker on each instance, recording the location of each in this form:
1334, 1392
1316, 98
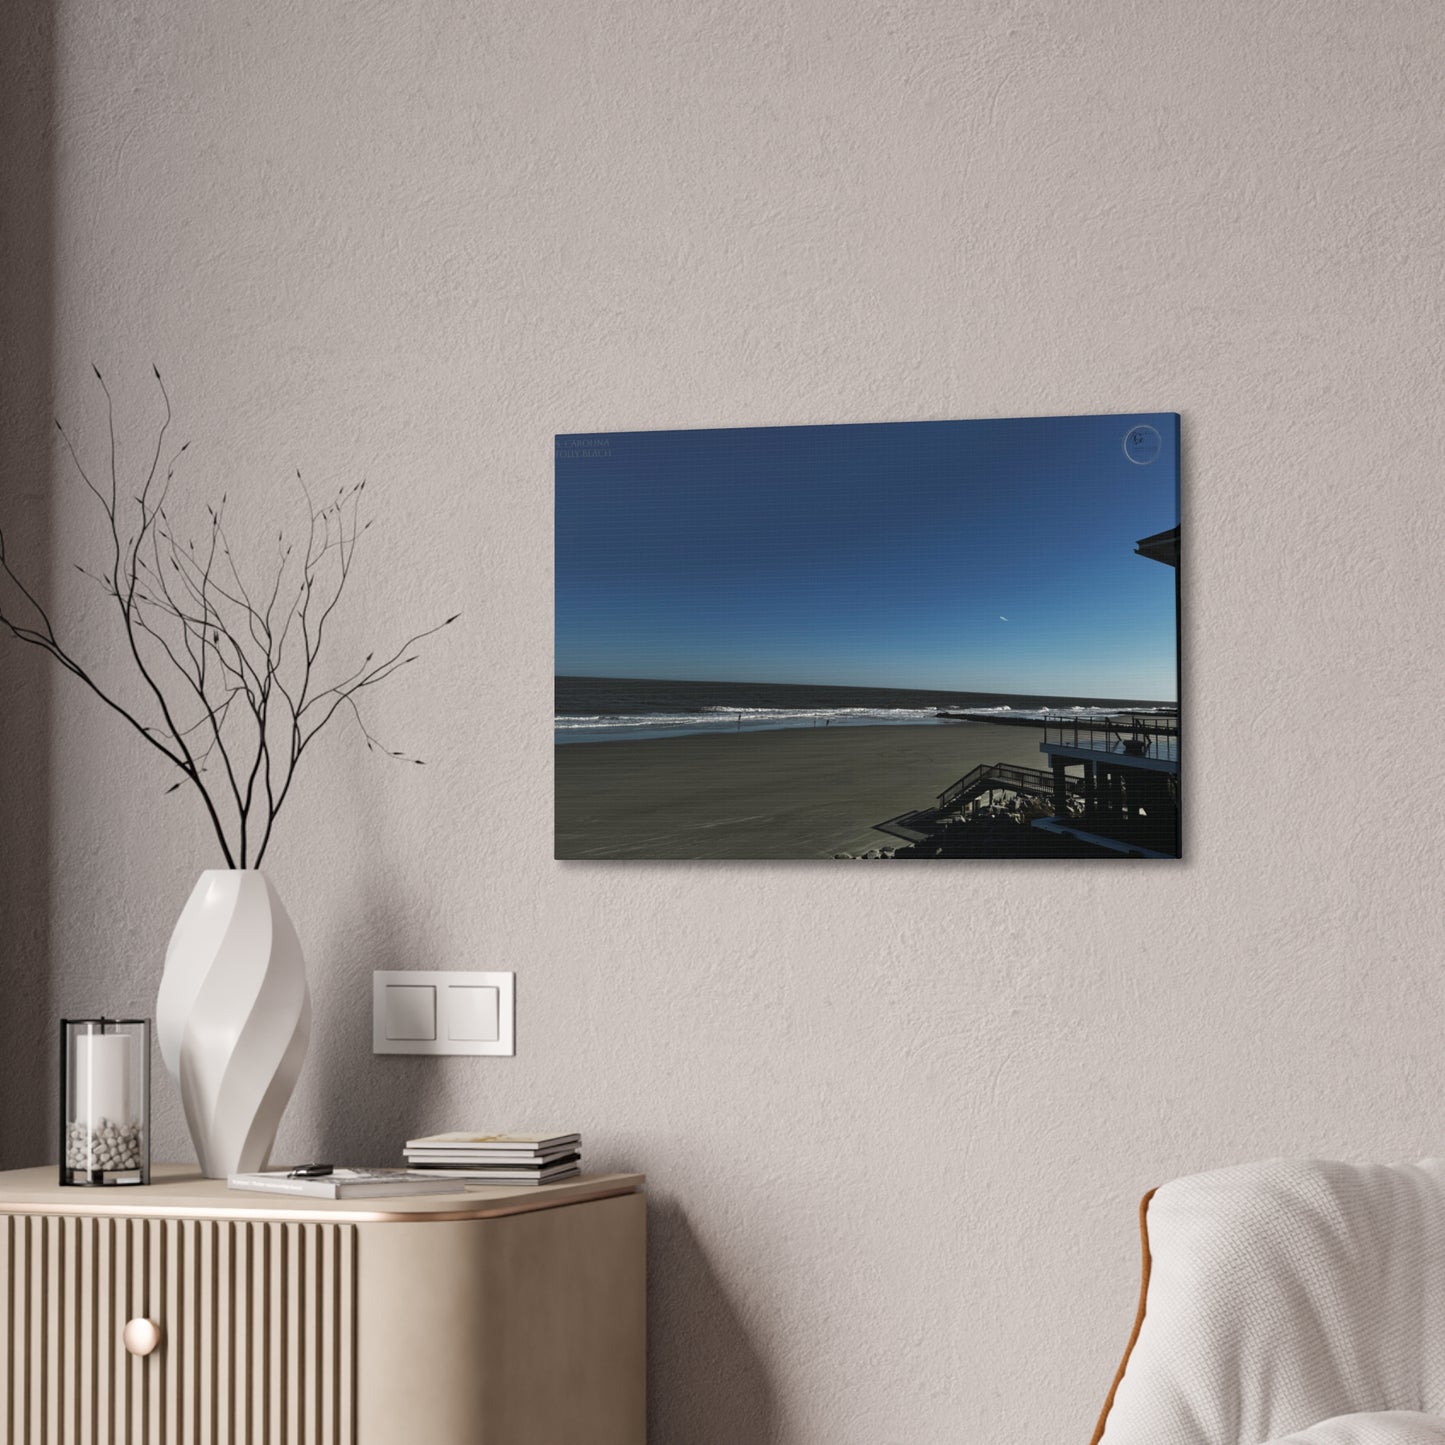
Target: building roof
1161, 547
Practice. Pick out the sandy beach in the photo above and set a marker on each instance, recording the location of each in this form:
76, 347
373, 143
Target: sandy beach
793, 793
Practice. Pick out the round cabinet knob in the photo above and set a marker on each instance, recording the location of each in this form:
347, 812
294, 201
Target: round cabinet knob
141, 1336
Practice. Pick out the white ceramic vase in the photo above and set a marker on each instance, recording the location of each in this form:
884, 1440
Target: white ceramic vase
233, 1017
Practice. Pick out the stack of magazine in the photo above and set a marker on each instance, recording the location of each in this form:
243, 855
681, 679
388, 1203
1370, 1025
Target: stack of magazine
473, 1159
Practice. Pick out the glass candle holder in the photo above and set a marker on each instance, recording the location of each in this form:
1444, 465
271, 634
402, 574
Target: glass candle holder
105, 1101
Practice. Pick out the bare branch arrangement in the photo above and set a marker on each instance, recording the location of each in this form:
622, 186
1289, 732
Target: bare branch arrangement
233, 692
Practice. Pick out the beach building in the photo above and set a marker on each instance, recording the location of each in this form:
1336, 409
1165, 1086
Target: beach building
1161, 547
1111, 784
1116, 779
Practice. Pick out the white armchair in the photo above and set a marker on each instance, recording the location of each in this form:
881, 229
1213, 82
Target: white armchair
1294, 1301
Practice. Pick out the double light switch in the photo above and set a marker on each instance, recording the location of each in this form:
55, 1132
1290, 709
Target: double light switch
415, 1012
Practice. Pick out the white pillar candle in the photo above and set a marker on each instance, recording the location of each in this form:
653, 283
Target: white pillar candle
102, 1078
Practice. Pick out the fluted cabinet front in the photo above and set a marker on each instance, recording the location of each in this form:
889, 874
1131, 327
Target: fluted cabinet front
257, 1332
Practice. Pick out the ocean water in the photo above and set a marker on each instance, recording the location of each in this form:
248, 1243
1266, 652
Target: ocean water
611, 709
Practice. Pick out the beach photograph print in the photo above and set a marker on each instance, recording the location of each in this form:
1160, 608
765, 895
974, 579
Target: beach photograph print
946, 639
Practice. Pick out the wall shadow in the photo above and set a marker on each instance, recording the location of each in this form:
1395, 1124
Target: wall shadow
367, 1105
27, 245
707, 1382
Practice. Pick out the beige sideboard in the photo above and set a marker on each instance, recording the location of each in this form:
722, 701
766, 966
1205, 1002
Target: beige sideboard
501, 1316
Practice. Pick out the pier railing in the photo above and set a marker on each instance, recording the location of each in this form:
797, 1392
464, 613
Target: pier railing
1127, 734
1007, 776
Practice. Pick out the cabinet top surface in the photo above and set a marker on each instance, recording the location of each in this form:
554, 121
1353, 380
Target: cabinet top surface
178, 1191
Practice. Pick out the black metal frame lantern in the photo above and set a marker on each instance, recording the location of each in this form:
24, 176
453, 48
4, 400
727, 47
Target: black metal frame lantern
105, 1101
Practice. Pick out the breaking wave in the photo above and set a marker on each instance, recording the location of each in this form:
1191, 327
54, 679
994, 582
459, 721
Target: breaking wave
720, 718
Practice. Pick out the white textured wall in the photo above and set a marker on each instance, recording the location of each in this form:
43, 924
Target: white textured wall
895, 1119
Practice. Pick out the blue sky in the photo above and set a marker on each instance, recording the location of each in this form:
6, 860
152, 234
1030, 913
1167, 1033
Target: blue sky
882, 555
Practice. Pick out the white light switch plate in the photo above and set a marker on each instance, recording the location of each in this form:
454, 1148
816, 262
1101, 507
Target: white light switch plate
414, 1011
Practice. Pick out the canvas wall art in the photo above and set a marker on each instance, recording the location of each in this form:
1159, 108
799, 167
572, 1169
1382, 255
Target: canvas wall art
902, 641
